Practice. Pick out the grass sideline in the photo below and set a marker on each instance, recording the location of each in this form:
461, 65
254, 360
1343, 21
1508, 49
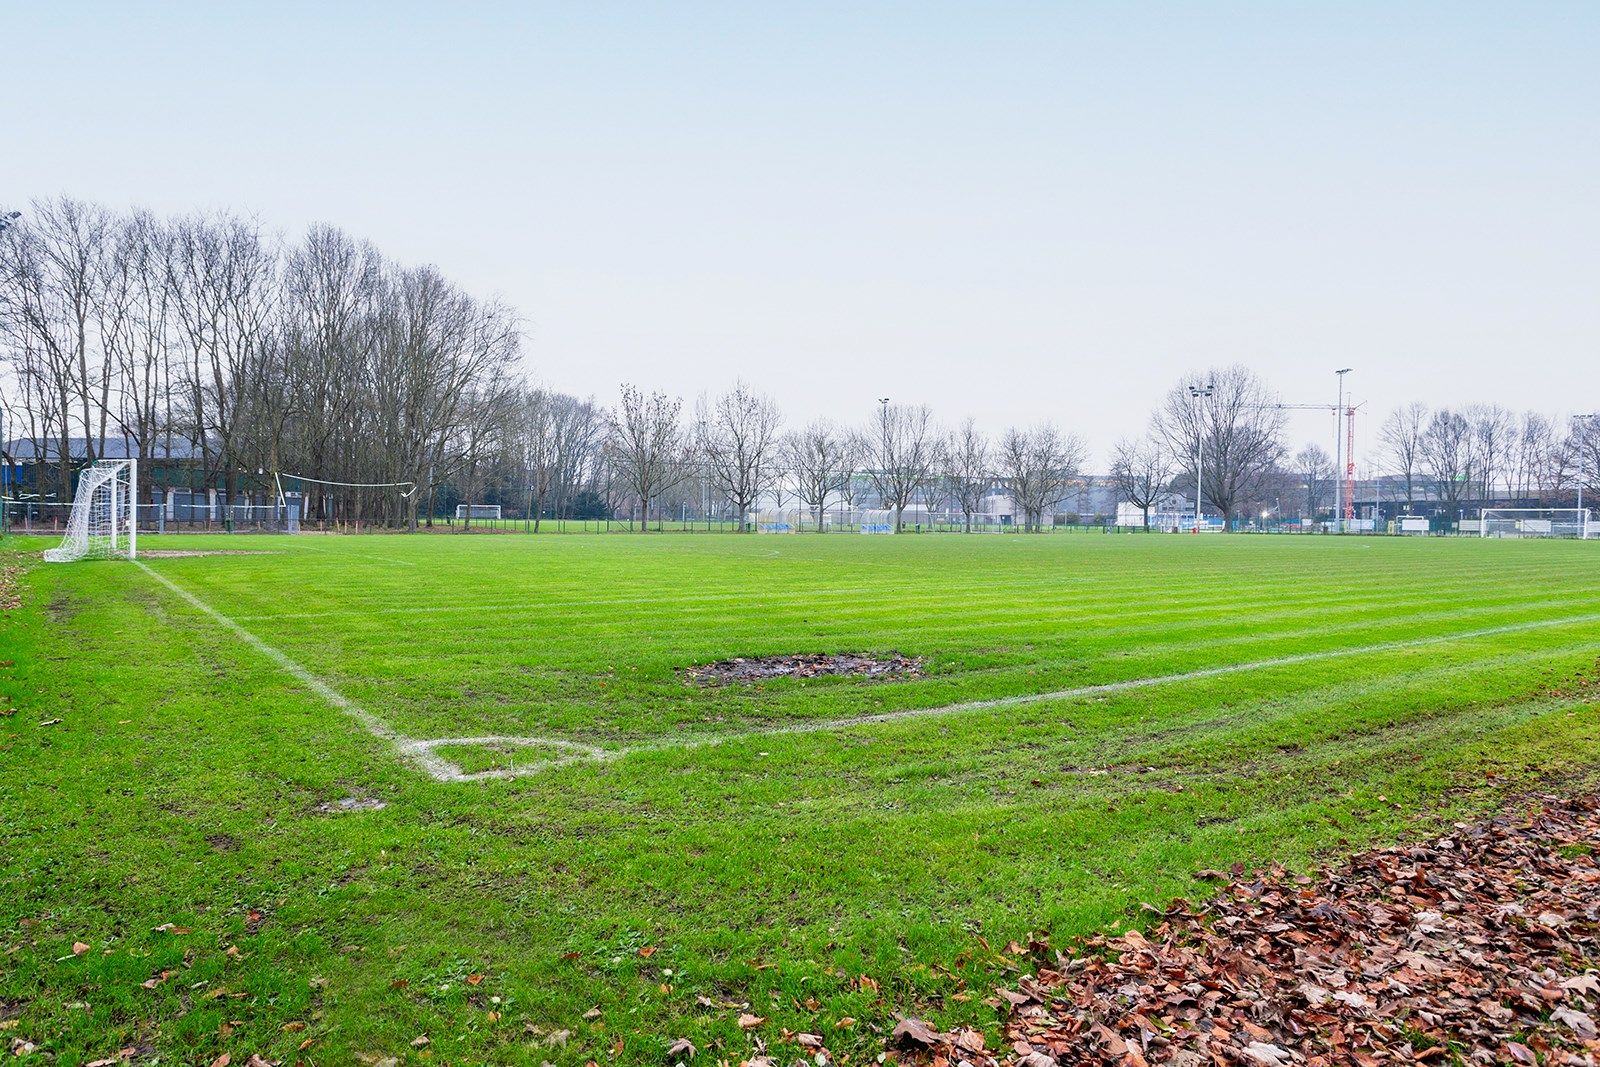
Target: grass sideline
330, 893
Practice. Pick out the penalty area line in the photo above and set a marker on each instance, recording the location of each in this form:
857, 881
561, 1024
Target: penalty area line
419, 753
577, 755
422, 753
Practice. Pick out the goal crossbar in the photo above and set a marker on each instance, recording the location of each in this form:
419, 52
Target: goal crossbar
1536, 522
103, 523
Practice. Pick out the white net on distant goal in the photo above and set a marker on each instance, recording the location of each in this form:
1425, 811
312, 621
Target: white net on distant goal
1536, 522
103, 523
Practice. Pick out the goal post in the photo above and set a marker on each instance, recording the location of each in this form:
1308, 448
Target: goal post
477, 511
1536, 522
103, 523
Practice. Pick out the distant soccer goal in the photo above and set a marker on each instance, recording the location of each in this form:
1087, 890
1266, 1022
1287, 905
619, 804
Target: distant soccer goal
103, 522
477, 511
1536, 522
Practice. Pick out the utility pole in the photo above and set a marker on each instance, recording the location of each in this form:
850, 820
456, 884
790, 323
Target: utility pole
1198, 393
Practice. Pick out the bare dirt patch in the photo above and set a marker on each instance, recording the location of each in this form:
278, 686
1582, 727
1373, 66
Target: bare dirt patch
890, 665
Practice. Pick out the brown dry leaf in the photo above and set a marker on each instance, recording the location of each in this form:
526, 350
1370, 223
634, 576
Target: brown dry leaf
420, 1041
294, 1027
474, 979
1483, 941
751, 1022
916, 1032
222, 1060
79, 948
647, 951
681, 1047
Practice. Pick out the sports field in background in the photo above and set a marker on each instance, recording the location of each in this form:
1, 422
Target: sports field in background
254, 748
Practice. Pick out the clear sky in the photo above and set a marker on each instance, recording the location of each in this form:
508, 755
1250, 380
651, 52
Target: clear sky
1013, 211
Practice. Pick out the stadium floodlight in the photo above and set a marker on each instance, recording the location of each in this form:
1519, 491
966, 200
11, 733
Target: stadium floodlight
103, 523
1196, 392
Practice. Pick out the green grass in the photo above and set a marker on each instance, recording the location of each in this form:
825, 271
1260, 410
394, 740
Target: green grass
193, 781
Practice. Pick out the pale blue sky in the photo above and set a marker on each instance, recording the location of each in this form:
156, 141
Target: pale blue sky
1006, 210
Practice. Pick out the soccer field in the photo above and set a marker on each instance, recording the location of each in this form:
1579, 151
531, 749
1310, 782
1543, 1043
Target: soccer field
388, 788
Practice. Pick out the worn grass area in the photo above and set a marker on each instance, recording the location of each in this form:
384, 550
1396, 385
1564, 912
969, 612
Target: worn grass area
332, 893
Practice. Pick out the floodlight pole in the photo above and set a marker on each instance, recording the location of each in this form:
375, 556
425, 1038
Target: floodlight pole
1196, 393
1581, 420
1338, 455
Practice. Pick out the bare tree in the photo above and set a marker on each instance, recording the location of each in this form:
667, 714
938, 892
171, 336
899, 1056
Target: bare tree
1447, 456
820, 459
901, 452
1241, 429
1315, 468
647, 445
1493, 438
48, 294
738, 439
970, 475
1140, 470
1401, 437
1036, 466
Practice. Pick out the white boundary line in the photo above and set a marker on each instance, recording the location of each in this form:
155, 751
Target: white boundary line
422, 752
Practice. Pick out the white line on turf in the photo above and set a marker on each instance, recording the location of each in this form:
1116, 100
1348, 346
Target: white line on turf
422, 755
905, 714
422, 752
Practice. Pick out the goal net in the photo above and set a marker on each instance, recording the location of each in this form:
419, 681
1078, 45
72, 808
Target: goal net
1536, 522
477, 511
103, 523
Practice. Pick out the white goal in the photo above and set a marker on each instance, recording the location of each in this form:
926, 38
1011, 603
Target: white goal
1536, 522
477, 511
103, 523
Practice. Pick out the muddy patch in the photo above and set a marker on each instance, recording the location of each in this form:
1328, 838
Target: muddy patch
890, 665
61, 607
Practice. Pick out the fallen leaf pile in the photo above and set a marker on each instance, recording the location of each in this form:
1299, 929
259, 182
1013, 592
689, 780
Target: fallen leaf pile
1479, 947
10, 587
804, 665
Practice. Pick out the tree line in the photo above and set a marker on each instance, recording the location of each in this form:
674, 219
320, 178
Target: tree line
233, 357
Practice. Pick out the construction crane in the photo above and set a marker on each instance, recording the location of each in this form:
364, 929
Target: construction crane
1349, 413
